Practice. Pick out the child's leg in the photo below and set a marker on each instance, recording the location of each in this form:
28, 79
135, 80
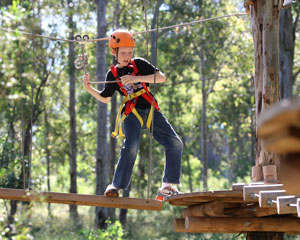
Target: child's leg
166, 136
132, 130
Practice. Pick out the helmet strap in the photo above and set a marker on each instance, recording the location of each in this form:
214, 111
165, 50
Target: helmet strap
116, 57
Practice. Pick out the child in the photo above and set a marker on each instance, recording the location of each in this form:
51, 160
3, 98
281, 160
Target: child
133, 77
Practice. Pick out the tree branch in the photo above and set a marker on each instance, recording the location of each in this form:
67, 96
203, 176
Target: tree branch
295, 75
215, 79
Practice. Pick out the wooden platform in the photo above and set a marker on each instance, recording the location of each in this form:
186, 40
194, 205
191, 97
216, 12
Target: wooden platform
247, 207
188, 199
80, 199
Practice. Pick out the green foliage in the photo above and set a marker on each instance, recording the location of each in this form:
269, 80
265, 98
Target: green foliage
113, 231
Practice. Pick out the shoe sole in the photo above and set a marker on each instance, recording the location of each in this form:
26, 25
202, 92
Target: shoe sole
111, 194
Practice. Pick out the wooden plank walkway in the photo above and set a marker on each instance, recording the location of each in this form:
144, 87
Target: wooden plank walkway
80, 199
226, 196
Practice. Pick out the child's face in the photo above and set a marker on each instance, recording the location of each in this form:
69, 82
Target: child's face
124, 56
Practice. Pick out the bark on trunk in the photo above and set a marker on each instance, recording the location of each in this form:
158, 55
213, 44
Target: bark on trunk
286, 52
265, 27
73, 135
101, 214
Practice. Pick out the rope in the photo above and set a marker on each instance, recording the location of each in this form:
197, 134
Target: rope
153, 110
141, 32
150, 144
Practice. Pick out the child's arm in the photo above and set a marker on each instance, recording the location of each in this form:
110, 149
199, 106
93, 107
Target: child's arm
160, 78
94, 92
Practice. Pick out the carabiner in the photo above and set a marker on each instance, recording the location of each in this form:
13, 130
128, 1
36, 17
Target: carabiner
82, 60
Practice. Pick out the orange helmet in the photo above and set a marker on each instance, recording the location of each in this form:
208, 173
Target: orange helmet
121, 38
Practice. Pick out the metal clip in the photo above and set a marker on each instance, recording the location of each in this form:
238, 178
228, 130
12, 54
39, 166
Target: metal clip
82, 60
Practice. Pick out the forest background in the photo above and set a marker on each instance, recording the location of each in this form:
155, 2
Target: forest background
55, 137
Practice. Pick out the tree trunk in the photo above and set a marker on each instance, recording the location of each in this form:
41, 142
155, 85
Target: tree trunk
286, 52
203, 124
101, 214
153, 34
73, 135
265, 25
13, 210
189, 168
265, 28
123, 211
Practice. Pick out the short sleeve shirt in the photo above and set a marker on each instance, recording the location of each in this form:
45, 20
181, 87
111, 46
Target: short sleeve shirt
144, 67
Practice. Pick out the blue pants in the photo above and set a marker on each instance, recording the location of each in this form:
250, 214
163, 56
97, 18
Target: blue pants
163, 133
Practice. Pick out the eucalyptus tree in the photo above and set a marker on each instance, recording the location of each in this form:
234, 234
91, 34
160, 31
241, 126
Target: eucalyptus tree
288, 24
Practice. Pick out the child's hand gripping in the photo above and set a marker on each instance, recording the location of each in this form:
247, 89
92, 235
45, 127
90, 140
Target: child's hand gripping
86, 81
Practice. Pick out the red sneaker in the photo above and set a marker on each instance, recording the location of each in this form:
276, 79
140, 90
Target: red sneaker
167, 192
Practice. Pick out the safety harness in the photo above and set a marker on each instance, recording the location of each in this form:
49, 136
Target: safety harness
130, 100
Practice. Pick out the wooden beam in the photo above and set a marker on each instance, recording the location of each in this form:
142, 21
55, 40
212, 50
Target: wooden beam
210, 209
252, 210
237, 225
283, 204
286, 140
80, 199
266, 197
238, 186
277, 117
179, 225
251, 192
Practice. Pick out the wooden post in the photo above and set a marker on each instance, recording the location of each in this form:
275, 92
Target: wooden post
257, 174
270, 173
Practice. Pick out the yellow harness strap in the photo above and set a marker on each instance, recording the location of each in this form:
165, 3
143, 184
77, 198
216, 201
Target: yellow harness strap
134, 111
